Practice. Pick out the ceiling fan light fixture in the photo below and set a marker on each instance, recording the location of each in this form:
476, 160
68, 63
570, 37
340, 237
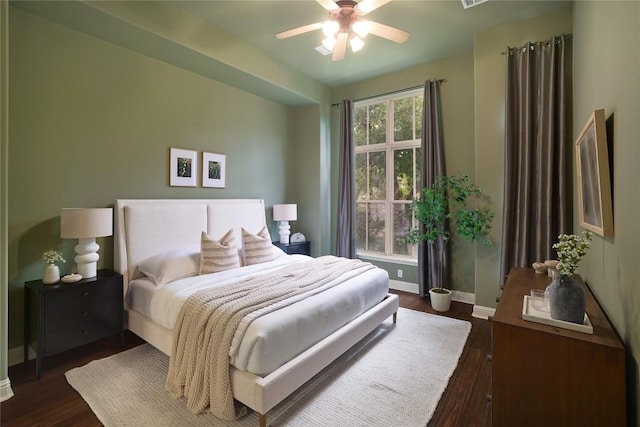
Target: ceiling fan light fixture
330, 28
361, 28
329, 43
356, 43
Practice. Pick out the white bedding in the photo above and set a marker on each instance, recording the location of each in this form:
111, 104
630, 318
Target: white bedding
290, 330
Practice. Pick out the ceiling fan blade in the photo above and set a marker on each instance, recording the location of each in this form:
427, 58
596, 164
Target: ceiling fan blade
387, 32
340, 48
299, 30
366, 6
328, 4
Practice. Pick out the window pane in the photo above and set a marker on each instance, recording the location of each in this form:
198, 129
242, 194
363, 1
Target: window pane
361, 176
378, 124
403, 173
361, 225
376, 232
377, 175
401, 225
403, 119
360, 125
419, 107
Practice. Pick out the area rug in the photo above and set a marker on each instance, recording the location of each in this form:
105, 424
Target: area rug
393, 377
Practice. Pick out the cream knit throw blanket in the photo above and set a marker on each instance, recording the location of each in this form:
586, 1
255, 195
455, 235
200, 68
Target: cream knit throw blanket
207, 322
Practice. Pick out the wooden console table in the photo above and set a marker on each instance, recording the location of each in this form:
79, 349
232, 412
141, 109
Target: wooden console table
545, 375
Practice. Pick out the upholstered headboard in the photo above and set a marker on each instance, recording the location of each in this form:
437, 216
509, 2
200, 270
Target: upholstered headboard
147, 227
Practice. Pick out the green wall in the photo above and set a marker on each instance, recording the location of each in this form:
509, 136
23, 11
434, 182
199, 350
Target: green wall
91, 122
606, 75
457, 114
490, 78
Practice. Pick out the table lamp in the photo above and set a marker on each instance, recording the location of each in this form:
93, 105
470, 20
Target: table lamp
284, 214
85, 225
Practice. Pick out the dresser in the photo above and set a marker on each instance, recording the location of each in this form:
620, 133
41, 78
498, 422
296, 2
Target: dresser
548, 376
62, 316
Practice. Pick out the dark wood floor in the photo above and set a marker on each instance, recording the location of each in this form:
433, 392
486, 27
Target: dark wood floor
52, 402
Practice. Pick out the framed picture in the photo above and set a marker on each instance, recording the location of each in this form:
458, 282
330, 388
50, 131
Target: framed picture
213, 170
594, 184
183, 167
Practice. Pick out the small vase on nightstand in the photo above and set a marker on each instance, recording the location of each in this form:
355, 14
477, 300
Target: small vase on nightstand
51, 274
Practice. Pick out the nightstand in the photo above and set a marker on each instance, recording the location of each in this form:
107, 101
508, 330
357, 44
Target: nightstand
303, 248
67, 315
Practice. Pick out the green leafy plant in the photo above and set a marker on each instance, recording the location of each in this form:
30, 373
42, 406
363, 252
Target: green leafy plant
51, 257
571, 249
450, 199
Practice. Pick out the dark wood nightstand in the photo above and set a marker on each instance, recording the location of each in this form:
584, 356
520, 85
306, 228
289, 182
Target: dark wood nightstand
303, 248
68, 315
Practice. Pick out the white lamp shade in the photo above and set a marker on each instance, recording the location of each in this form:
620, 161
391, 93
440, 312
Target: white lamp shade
82, 223
285, 212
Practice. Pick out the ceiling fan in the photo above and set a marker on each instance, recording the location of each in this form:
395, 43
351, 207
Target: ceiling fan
346, 25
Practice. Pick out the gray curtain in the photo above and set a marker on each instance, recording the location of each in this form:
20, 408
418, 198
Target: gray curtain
346, 227
432, 256
536, 159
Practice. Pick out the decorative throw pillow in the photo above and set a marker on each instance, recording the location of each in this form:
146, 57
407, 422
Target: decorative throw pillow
171, 265
257, 248
218, 255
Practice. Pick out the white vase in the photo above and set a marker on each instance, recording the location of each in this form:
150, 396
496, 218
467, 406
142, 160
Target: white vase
51, 274
440, 299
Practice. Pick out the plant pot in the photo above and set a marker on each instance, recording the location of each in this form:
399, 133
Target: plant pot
440, 299
51, 274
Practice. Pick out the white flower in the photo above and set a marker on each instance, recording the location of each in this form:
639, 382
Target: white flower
571, 249
51, 257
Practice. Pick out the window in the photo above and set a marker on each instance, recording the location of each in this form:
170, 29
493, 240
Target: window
387, 134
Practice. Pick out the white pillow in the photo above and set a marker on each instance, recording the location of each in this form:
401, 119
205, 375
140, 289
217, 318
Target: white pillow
218, 255
277, 252
171, 265
257, 248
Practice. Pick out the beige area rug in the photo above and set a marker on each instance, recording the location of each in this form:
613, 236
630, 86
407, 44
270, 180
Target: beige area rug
393, 377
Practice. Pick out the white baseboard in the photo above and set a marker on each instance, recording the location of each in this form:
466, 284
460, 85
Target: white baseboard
15, 355
481, 312
465, 297
398, 285
5, 390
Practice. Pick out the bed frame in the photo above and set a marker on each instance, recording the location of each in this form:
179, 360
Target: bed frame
149, 226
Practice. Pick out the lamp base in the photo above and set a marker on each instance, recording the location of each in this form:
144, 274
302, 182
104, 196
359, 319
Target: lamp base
284, 232
87, 257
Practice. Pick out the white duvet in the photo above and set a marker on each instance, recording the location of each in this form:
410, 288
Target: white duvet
271, 340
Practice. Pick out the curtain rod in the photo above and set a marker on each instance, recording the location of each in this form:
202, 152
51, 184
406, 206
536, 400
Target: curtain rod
533, 44
337, 104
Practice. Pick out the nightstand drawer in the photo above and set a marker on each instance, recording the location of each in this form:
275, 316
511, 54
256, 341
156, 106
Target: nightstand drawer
76, 335
80, 294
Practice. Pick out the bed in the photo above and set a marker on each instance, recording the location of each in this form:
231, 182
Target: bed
148, 228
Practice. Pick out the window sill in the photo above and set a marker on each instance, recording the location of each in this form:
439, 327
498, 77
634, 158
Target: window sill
386, 258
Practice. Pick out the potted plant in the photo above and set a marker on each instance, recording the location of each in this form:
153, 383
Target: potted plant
449, 199
51, 271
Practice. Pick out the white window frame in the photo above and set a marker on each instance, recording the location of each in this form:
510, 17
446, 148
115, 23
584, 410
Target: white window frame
389, 147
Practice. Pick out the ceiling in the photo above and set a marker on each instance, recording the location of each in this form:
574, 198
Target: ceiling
438, 29
234, 42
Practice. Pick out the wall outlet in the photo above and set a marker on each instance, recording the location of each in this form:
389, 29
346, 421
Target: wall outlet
399, 274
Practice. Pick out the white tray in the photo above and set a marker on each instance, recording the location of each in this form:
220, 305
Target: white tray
531, 314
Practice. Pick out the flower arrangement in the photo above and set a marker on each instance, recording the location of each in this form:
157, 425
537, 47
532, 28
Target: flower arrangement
571, 249
51, 257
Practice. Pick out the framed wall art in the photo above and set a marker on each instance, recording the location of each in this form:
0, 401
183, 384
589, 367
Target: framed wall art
183, 167
213, 170
594, 183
